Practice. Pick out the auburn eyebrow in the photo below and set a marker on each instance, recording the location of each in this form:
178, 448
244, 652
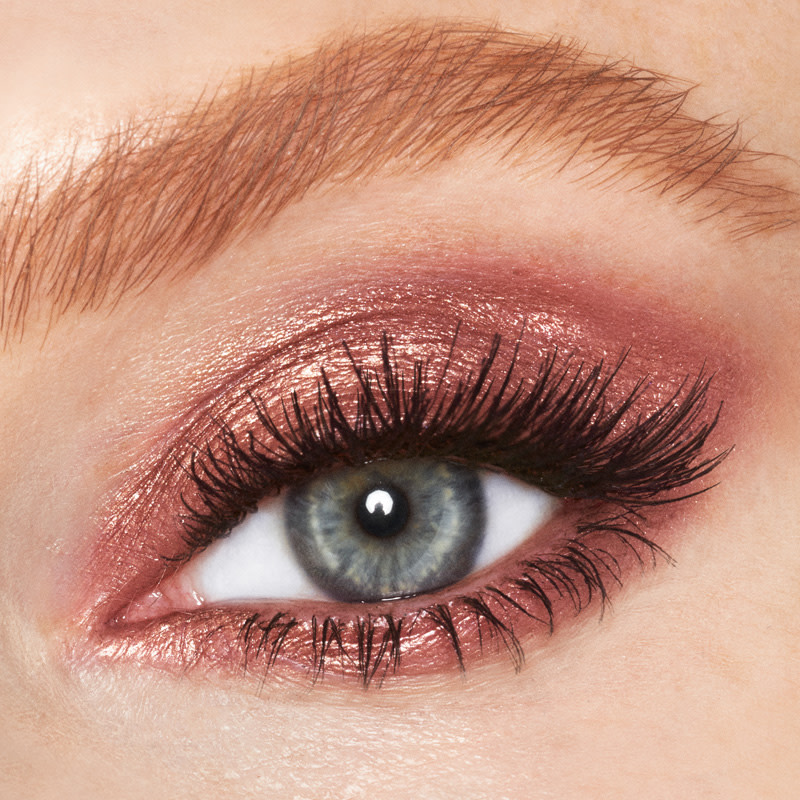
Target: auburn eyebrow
165, 194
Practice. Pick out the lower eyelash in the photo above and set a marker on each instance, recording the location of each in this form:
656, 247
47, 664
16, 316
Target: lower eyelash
371, 647
565, 427
372, 643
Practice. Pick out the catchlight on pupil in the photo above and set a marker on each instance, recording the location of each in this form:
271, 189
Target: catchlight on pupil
382, 511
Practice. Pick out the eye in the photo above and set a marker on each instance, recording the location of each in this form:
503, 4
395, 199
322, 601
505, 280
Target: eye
386, 530
400, 517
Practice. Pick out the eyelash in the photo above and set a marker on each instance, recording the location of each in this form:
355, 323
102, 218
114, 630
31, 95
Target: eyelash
565, 430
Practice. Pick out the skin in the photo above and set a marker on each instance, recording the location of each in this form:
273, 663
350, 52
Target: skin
689, 688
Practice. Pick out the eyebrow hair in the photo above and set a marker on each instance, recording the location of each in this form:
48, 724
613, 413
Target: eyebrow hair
163, 195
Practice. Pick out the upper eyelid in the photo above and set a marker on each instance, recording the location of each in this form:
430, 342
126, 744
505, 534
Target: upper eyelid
491, 393
158, 197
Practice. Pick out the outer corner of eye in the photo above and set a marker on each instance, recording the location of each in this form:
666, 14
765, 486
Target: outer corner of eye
385, 530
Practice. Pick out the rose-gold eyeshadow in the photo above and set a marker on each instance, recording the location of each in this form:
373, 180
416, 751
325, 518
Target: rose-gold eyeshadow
371, 643
142, 530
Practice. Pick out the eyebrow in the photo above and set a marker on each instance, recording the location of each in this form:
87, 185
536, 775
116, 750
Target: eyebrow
165, 194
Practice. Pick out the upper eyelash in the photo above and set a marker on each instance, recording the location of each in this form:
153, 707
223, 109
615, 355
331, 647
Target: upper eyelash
557, 431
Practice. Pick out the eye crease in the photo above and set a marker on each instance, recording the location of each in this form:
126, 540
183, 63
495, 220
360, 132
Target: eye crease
471, 504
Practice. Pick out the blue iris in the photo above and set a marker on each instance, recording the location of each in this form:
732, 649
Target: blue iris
387, 529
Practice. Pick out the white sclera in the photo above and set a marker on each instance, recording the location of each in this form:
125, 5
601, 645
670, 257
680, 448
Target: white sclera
514, 511
256, 562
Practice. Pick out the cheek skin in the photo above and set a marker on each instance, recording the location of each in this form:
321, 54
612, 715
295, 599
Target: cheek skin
421, 308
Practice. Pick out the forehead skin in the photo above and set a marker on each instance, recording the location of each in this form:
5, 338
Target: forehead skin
705, 706
741, 59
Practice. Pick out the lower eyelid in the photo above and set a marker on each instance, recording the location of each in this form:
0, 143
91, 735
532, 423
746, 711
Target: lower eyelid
495, 614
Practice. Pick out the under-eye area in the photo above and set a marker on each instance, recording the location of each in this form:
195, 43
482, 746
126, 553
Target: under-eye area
412, 514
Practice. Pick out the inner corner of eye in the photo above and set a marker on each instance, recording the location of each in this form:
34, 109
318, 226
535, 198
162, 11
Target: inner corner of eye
384, 530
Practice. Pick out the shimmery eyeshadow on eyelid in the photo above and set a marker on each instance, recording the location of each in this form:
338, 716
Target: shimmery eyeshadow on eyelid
421, 316
420, 303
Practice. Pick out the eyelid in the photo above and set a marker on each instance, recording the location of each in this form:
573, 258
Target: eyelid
435, 617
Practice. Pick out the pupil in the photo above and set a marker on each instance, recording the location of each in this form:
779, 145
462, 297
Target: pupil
382, 511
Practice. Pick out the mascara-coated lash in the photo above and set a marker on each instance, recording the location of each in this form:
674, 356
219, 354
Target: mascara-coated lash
563, 425
556, 429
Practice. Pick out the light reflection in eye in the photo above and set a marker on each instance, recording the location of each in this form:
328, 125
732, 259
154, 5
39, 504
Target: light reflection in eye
258, 559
